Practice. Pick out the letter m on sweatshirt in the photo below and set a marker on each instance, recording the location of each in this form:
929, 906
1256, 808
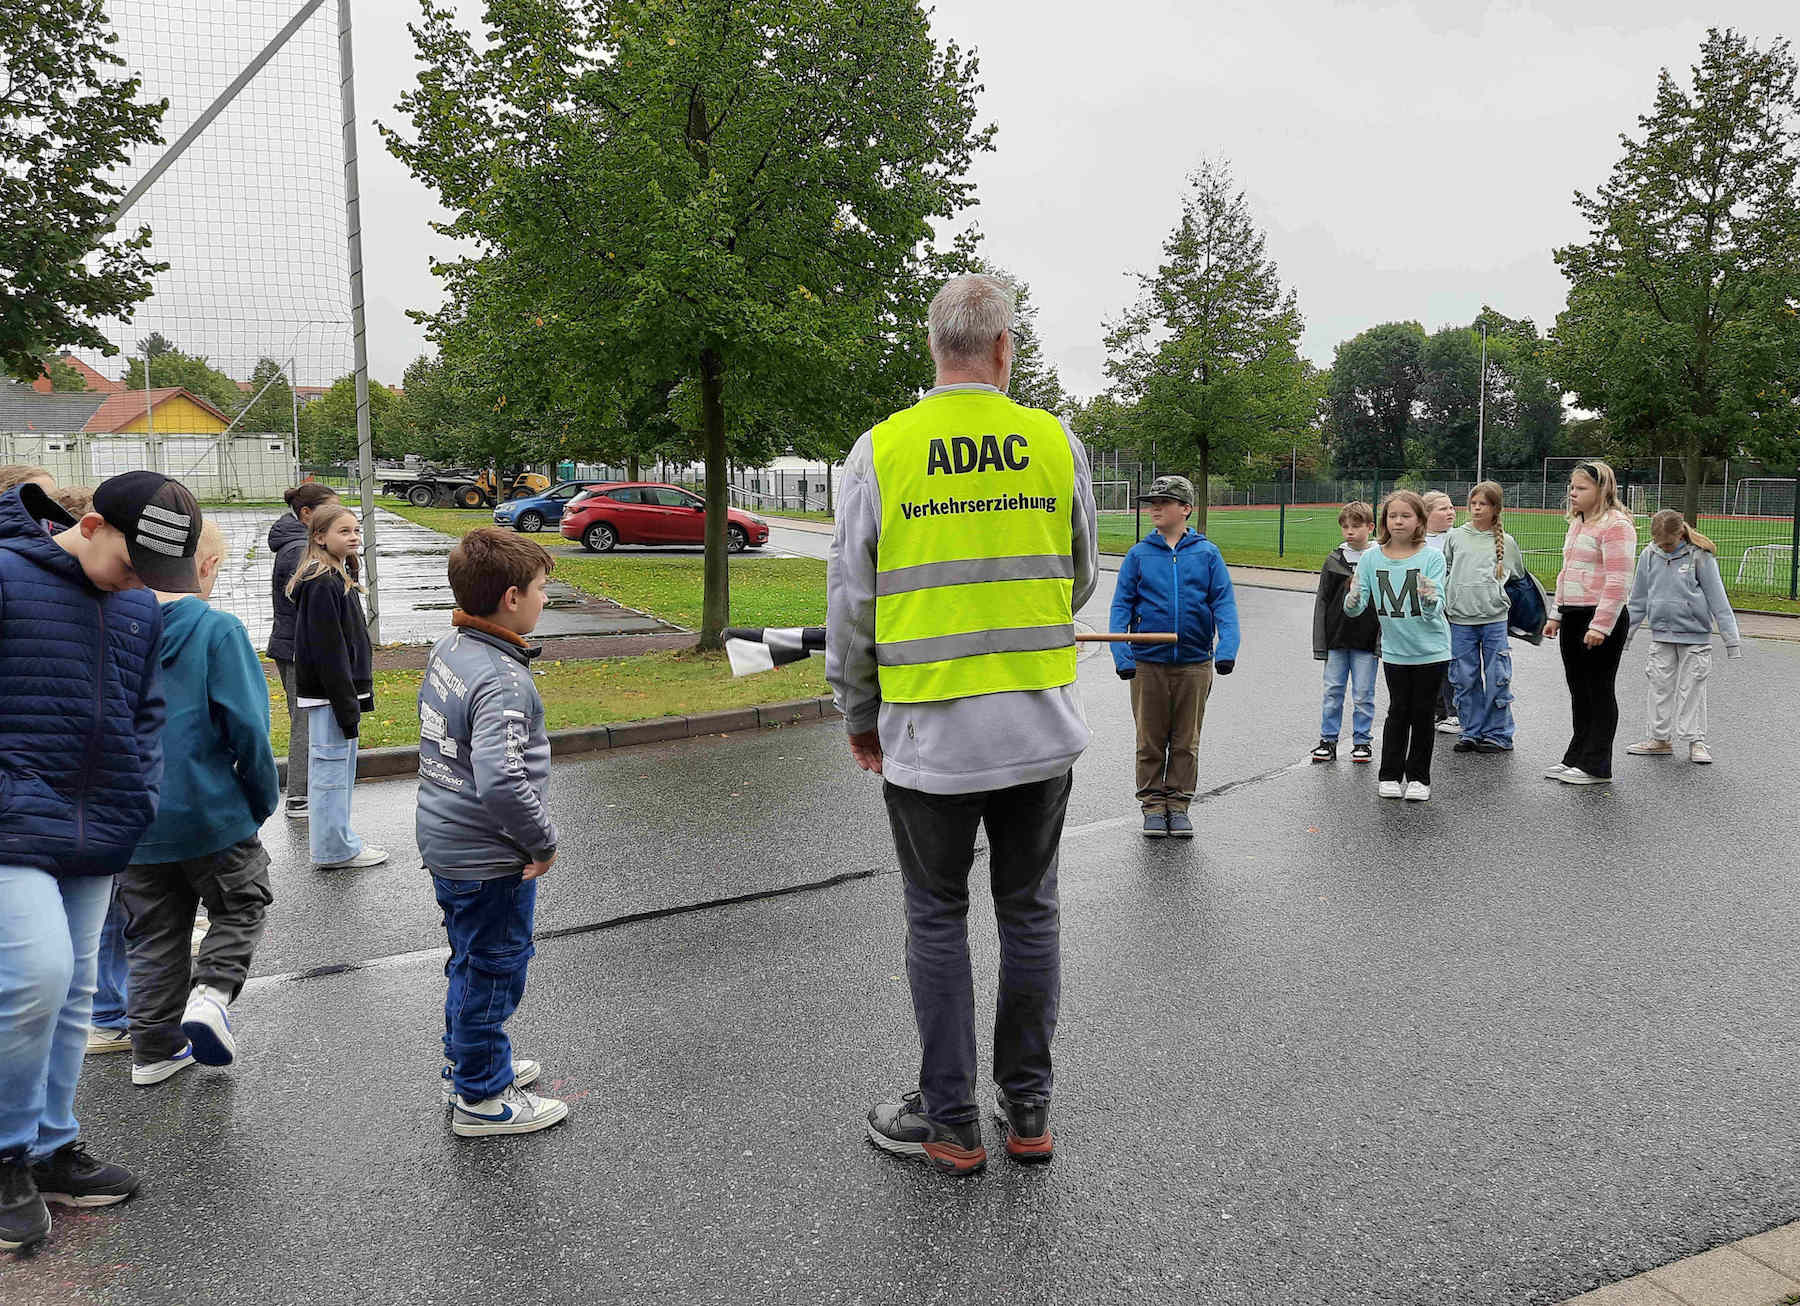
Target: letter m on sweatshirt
1403, 604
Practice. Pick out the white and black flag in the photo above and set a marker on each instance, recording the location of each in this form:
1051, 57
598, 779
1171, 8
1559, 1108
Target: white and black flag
766, 647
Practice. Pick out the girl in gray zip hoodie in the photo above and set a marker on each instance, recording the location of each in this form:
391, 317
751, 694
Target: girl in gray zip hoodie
1677, 594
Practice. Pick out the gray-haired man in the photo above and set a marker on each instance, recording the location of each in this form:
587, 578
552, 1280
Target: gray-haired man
964, 544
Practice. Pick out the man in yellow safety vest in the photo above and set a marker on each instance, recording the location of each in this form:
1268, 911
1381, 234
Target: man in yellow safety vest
964, 546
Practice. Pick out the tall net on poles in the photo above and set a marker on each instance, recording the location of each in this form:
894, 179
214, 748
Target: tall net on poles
250, 220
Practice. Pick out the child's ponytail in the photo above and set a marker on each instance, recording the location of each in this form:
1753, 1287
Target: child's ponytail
1491, 491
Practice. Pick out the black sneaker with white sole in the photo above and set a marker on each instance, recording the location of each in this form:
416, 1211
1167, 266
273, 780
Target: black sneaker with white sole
24, 1219
1362, 753
904, 1129
70, 1177
1326, 751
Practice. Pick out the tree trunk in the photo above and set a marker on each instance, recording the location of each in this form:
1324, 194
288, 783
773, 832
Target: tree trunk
1693, 466
632, 466
715, 609
1198, 520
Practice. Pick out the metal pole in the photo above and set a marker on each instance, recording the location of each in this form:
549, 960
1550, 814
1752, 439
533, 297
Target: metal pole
1481, 410
214, 109
1281, 526
1794, 550
365, 443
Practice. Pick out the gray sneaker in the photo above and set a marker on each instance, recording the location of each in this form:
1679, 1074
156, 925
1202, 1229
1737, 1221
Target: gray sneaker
1156, 825
1179, 826
514, 1111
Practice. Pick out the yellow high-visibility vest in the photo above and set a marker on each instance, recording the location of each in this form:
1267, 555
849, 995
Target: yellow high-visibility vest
974, 573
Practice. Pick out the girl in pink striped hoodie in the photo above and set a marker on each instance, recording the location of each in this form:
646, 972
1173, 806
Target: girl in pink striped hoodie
1590, 621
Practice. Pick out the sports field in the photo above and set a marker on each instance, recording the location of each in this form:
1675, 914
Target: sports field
1754, 552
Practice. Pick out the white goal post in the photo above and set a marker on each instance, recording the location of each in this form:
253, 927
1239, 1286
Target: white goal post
1760, 486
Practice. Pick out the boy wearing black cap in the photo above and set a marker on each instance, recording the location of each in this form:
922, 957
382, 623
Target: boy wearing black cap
81, 718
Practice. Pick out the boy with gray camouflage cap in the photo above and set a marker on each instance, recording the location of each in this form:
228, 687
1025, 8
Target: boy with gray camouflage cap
1175, 580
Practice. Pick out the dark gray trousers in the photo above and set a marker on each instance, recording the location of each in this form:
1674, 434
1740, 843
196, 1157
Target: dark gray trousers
160, 900
299, 758
934, 835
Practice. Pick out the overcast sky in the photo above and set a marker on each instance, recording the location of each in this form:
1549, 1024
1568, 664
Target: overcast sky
1407, 161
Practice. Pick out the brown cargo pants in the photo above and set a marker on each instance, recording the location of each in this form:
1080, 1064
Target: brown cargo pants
1169, 702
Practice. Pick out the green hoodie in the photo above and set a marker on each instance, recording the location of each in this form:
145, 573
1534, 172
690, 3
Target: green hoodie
1475, 596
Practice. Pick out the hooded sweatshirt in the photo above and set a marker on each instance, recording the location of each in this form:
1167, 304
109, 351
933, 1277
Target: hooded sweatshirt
1332, 626
81, 706
1475, 597
219, 780
1680, 595
333, 664
287, 542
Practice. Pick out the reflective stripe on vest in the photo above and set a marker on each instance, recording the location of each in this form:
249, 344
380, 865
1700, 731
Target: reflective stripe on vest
974, 573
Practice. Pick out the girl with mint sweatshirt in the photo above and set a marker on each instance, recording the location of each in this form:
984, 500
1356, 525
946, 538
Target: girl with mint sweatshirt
1481, 558
1405, 582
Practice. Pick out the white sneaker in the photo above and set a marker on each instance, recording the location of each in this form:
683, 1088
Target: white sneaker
157, 1071
107, 1040
1699, 752
1651, 748
525, 1073
514, 1112
1449, 726
1417, 793
1574, 775
1391, 789
208, 1028
369, 856
1555, 771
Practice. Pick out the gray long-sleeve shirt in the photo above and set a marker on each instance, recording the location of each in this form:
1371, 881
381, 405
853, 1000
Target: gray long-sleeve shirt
484, 760
960, 745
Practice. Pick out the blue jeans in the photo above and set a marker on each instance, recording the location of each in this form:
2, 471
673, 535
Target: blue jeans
489, 923
109, 990
331, 776
1481, 672
49, 939
1356, 668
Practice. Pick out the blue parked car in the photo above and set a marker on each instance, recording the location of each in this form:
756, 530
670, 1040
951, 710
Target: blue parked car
531, 514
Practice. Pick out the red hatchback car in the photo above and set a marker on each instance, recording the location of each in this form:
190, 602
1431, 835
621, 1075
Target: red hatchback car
641, 512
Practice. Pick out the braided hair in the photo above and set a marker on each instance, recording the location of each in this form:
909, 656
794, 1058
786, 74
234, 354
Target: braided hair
1492, 493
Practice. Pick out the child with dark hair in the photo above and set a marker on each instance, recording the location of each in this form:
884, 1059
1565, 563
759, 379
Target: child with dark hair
1350, 647
287, 541
484, 827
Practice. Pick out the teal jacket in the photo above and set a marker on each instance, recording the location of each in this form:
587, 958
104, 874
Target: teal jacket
1413, 628
219, 778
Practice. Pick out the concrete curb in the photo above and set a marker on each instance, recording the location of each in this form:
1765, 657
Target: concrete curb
382, 763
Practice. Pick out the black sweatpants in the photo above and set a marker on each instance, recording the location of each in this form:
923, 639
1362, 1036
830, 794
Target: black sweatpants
1410, 731
160, 900
934, 834
1592, 674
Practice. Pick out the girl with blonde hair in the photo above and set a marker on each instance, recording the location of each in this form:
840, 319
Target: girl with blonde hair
334, 681
1590, 621
1679, 594
1481, 557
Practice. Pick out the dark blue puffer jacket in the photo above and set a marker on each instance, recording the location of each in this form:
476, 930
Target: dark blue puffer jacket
81, 709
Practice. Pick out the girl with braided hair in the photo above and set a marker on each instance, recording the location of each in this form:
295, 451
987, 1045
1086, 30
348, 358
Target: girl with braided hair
1481, 557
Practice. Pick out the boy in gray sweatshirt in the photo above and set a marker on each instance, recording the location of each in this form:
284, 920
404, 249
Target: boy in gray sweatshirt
484, 826
1678, 594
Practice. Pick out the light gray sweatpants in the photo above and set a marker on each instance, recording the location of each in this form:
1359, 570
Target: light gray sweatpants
1677, 674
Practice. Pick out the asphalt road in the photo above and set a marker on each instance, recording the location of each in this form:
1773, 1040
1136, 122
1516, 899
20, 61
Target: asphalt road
1498, 1048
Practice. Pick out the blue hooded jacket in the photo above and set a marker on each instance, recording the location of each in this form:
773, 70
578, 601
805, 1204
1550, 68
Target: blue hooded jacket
1186, 590
219, 782
81, 707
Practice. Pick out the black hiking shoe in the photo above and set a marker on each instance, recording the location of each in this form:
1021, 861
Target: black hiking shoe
1326, 751
904, 1129
73, 1178
1027, 1129
24, 1219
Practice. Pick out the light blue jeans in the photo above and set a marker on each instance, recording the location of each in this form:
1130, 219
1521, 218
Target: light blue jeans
1481, 674
1355, 668
331, 776
49, 939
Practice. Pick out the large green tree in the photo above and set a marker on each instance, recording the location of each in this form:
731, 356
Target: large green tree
328, 423
1035, 382
68, 120
1522, 415
1373, 396
1682, 324
733, 195
1208, 357
269, 401
193, 373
